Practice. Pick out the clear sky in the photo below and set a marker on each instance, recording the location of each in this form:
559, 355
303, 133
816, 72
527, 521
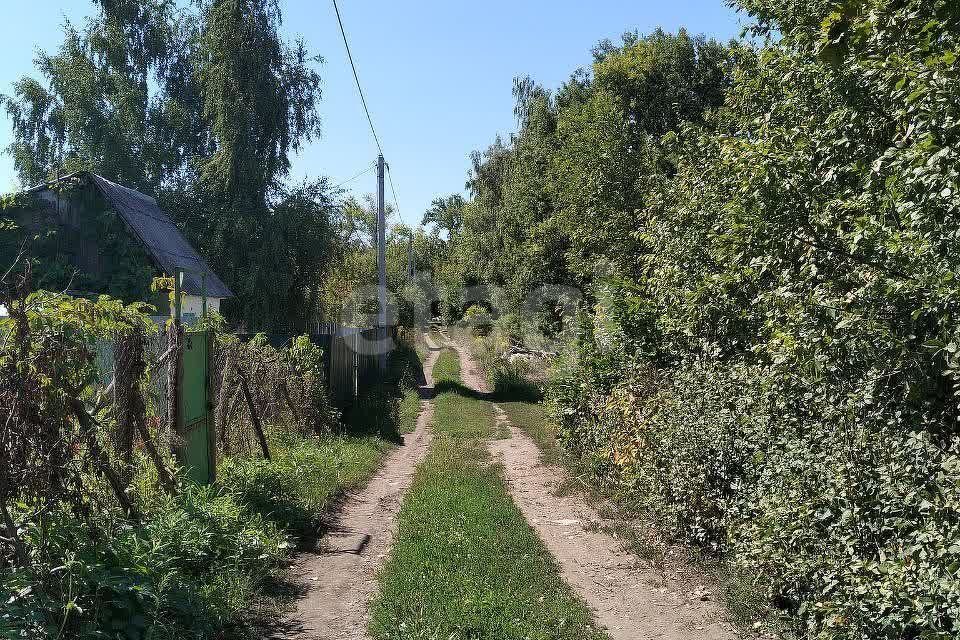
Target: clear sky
437, 74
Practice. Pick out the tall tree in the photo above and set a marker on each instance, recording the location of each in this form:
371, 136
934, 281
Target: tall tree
200, 106
97, 107
259, 100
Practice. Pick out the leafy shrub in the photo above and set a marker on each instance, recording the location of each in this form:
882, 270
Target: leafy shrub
776, 374
190, 568
306, 367
478, 319
508, 376
187, 572
845, 518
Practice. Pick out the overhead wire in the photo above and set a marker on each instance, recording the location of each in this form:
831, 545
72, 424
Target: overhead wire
356, 78
366, 109
373, 165
393, 189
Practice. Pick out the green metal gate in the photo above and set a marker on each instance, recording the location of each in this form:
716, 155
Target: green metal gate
199, 446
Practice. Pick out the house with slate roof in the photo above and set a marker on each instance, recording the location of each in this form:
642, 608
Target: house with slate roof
89, 235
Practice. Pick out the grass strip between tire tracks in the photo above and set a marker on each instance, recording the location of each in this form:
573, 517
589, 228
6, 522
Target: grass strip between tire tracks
465, 564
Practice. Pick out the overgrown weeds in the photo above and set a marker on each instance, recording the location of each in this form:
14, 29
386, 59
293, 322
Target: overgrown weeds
296, 490
510, 376
103, 535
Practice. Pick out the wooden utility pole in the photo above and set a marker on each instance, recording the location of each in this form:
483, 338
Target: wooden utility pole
381, 260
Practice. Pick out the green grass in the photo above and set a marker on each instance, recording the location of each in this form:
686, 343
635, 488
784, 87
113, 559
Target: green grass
532, 419
296, 489
458, 411
465, 564
408, 359
447, 369
409, 410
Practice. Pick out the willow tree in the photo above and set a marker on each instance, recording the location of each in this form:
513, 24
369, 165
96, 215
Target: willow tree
259, 100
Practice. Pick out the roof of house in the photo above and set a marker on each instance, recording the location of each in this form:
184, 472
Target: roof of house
159, 235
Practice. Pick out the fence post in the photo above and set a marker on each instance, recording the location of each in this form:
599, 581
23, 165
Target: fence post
174, 377
254, 415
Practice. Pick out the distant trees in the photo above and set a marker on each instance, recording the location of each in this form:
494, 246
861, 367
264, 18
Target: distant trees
558, 202
201, 107
350, 281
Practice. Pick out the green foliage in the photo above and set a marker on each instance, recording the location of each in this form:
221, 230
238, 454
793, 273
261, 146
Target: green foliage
557, 203
259, 97
188, 573
446, 214
407, 359
199, 104
91, 548
308, 475
67, 255
509, 377
193, 564
95, 109
348, 293
306, 363
478, 319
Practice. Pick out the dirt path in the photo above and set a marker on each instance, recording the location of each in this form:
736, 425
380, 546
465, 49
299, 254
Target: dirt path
339, 577
630, 600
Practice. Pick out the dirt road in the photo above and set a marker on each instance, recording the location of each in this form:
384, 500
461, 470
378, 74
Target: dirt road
631, 600
339, 577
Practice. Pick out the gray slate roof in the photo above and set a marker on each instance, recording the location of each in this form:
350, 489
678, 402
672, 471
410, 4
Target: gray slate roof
156, 231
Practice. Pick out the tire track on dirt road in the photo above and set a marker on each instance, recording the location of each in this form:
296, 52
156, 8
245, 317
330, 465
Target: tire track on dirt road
630, 601
339, 576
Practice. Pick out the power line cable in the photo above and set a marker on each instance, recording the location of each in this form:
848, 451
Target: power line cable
348, 180
356, 78
366, 109
393, 189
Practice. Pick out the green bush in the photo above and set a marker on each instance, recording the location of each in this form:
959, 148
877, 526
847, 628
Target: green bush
775, 374
507, 378
188, 572
191, 567
306, 366
848, 520
478, 319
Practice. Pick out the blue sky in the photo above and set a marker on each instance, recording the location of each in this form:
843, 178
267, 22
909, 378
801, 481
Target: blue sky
437, 73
